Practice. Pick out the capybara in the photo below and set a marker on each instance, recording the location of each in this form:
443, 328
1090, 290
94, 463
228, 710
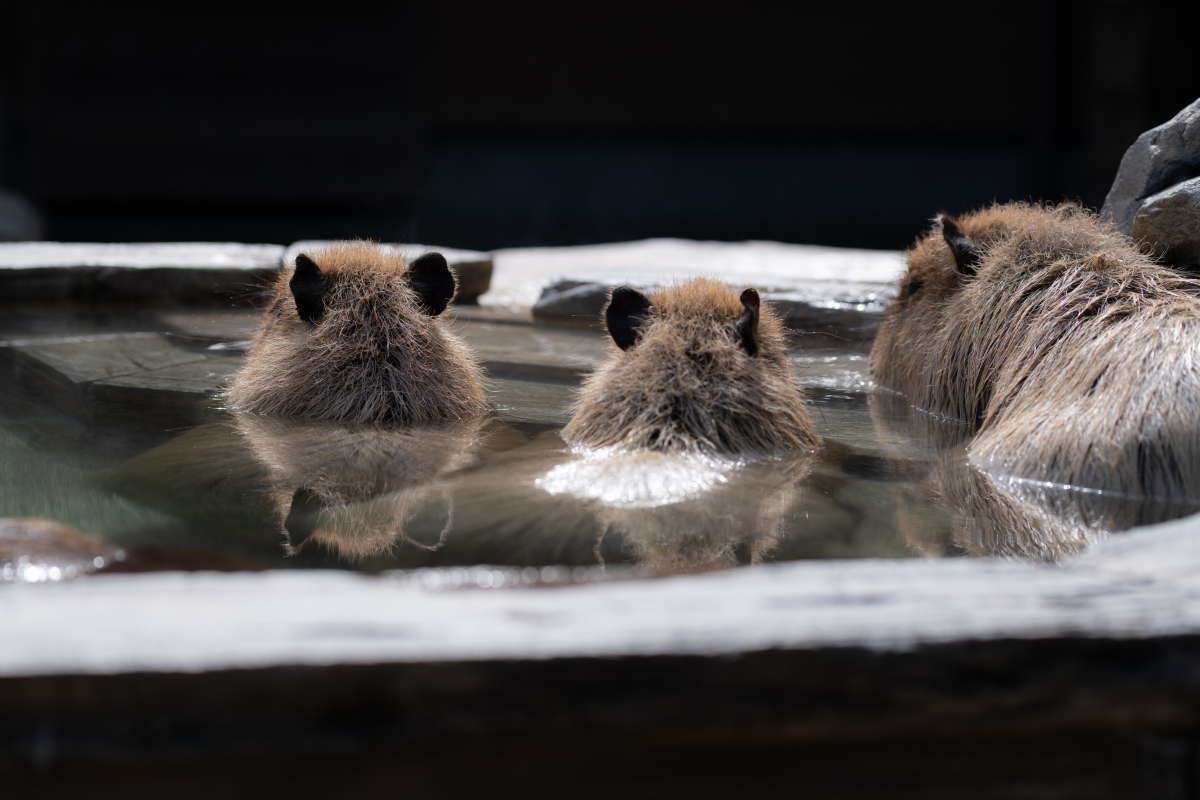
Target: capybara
697, 369
353, 334
1074, 355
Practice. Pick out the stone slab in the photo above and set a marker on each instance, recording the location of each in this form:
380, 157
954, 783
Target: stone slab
131, 375
195, 272
818, 273
850, 310
17, 256
474, 268
817, 289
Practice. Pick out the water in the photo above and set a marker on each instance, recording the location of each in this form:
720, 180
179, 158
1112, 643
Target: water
105, 428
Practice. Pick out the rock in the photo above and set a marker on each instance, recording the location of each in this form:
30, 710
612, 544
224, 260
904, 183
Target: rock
1160, 158
473, 268
1169, 222
571, 304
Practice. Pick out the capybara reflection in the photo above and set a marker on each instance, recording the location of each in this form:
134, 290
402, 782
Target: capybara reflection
353, 334
1075, 356
698, 369
356, 489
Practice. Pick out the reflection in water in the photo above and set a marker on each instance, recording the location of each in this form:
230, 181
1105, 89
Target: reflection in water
680, 513
994, 514
480, 492
387, 475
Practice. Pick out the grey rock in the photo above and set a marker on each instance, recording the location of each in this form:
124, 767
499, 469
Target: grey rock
571, 303
1169, 222
1160, 158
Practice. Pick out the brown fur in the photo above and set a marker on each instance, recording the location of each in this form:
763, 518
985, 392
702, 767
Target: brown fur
373, 357
367, 482
686, 386
1075, 355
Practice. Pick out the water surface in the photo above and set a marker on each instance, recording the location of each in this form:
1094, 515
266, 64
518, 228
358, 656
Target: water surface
108, 425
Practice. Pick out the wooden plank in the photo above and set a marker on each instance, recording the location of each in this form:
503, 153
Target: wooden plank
1138, 586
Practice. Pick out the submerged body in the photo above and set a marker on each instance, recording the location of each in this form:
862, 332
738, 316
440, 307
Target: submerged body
353, 334
1076, 357
698, 369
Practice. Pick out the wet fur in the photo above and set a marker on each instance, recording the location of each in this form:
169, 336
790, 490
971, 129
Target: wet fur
1077, 357
687, 386
373, 357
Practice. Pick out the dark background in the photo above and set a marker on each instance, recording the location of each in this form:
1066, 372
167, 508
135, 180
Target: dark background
490, 124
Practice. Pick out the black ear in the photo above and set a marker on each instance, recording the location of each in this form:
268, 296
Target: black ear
747, 324
310, 287
625, 315
430, 277
966, 252
301, 522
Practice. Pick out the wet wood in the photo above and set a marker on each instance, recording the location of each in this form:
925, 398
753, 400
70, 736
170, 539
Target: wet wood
973, 658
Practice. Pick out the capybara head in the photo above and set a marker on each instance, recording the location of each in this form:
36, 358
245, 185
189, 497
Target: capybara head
696, 369
353, 334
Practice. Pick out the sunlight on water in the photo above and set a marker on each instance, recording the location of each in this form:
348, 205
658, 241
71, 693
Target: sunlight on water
637, 480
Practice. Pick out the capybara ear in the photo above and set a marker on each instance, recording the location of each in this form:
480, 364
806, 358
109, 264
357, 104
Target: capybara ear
747, 324
627, 311
966, 252
430, 277
301, 522
309, 287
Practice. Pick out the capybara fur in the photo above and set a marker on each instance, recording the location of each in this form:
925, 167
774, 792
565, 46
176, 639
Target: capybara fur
354, 489
695, 369
353, 334
1075, 356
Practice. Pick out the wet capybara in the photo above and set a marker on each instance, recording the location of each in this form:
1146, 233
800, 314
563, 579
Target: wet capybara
1074, 355
353, 334
697, 369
